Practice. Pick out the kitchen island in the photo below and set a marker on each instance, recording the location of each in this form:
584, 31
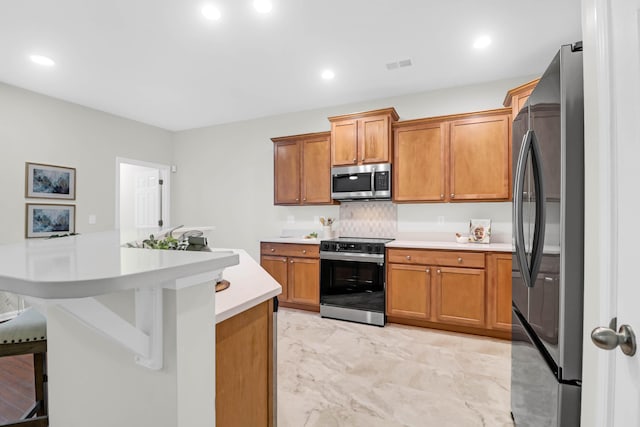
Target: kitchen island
130, 331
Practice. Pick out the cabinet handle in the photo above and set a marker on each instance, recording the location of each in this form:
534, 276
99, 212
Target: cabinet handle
453, 195
442, 196
355, 160
459, 260
273, 250
428, 270
291, 261
297, 200
304, 251
408, 257
438, 271
284, 260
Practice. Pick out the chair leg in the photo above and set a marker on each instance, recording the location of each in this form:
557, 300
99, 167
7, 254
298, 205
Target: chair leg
40, 379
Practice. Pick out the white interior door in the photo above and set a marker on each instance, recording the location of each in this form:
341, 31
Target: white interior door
142, 199
611, 388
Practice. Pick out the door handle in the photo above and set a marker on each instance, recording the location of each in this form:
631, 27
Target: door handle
608, 338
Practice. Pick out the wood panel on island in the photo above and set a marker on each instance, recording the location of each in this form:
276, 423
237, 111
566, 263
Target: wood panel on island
463, 157
362, 138
302, 169
297, 268
447, 290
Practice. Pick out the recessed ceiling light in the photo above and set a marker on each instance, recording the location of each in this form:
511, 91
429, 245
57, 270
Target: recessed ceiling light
328, 74
42, 60
211, 12
482, 42
262, 6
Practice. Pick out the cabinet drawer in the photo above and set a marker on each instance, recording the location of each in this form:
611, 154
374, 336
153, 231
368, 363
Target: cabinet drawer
443, 258
290, 249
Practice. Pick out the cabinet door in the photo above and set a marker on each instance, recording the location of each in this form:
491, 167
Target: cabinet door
459, 296
479, 151
276, 266
499, 268
409, 291
287, 173
304, 281
344, 149
316, 171
374, 139
419, 165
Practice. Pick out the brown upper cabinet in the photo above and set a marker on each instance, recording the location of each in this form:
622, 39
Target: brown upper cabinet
480, 156
302, 169
517, 96
420, 161
362, 138
464, 157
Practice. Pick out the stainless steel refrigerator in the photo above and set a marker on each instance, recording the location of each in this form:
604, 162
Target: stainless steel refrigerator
548, 221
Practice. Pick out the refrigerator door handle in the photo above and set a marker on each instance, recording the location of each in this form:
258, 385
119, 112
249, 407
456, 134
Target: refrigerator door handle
518, 213
539, 230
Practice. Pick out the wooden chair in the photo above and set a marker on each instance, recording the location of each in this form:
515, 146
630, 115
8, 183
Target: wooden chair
27, 334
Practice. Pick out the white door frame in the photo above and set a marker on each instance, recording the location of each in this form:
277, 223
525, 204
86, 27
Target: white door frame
165, 174
601, 202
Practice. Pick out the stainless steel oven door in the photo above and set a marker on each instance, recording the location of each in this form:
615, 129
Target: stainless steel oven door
354, 281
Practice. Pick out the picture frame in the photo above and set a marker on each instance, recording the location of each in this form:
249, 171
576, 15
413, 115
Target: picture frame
46, 220
50, 181
480, 231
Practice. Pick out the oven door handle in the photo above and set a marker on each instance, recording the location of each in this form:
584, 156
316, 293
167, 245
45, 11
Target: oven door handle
342, 256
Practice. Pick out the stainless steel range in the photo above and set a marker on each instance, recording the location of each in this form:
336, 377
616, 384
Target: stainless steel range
352, 279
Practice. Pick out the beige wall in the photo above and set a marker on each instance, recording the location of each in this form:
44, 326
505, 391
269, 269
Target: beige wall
37, 128
225, 172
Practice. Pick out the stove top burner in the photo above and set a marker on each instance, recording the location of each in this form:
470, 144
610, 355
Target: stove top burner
352, 245
358, 240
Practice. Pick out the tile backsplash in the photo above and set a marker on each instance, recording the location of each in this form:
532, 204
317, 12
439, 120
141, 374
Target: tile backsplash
368, 219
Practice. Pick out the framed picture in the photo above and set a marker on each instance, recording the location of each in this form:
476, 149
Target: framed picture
47, 219
50, 182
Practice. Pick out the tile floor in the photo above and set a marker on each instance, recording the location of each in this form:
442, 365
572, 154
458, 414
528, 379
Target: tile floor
333, 373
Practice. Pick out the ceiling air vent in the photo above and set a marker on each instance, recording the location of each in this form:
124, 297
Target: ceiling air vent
399, 64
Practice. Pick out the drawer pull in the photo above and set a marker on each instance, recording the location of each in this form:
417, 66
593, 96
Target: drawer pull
459, 260
408, 257
284, 260
438, 271
273, 250
428, 270
291, 261
304, 251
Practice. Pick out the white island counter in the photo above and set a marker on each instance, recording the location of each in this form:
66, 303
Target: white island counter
131, 336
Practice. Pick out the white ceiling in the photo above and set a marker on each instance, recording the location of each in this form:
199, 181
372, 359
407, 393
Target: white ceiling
160, 62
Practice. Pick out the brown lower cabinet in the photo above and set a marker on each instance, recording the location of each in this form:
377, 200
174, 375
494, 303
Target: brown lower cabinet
452, 290
297, 268
244, 368
499, 267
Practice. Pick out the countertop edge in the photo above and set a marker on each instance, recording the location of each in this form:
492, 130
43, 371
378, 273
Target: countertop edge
424, 244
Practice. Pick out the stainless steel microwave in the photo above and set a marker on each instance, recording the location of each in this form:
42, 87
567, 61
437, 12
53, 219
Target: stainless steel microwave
363, 182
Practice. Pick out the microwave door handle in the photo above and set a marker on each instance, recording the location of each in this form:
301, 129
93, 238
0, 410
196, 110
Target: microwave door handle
518, 213
539, 230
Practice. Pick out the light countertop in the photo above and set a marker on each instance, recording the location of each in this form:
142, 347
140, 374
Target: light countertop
424, 244
250, 285
94, 264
